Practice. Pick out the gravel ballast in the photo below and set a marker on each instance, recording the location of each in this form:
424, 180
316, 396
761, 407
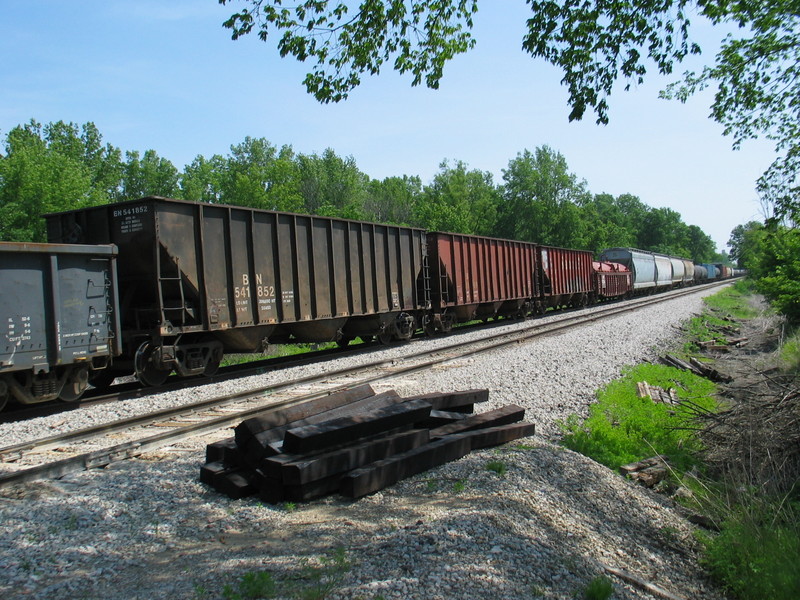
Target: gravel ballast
147, 528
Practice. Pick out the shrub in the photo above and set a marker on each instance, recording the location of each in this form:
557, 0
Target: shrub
623, 428
599, 588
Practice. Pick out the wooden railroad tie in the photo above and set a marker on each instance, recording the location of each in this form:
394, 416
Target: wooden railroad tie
354, 443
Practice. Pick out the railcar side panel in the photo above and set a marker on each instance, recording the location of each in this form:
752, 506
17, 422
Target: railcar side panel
678, 270
711, 271
641, 264
663, 270
700, 273
474, 276
612, 280
688, 271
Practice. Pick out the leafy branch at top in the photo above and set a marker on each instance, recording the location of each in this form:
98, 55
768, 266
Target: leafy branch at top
418, 36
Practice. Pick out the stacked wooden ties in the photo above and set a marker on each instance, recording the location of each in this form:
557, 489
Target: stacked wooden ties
354, 442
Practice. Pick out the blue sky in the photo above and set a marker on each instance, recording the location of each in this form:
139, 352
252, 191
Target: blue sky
166, 76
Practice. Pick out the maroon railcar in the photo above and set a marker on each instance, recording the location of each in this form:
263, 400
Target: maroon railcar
474, 277
564, 277
611, 280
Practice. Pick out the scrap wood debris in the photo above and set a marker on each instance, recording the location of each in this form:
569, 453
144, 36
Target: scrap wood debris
696, 367
648, 472
354, 442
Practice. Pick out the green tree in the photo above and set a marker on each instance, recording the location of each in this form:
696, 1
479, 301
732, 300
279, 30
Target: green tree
332, 186
606, 223
259, 175
595, 43
664, 231
150, 175
775, 265
540, 200
701, 247
741, 243
416, 37
52, 168
757, 81
392, 200
201, 180
458, 200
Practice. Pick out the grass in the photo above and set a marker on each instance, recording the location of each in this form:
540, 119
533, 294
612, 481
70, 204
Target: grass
756, 553
623, 428
497, 466
275, 352
311, 582
733, 300
790, 352
599, 588
258, 584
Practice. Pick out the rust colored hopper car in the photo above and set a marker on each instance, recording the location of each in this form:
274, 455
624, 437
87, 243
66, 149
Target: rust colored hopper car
475, 277
612, 280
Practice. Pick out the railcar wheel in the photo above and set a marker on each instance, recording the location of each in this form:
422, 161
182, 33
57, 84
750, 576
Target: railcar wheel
385, 337
147, 372
76, 384
4, 395
344, 342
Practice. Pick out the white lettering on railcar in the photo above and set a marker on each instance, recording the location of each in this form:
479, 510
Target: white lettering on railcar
264, 293
129, 210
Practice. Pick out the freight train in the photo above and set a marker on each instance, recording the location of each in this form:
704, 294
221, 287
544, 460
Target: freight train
156, 285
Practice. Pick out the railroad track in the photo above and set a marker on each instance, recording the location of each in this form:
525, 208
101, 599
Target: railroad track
107, 443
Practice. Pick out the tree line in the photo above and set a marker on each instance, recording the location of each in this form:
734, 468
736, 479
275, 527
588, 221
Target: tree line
63, 166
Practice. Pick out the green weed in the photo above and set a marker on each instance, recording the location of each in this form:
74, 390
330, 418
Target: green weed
497, 466
317, 582
312, 582
733, 301
599, 588
790, 352
258, 584
756, 553
275, 352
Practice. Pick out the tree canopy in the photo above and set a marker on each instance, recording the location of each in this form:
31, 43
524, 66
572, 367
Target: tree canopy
597, 45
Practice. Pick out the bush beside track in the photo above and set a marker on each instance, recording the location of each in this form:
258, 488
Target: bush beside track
752, 507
